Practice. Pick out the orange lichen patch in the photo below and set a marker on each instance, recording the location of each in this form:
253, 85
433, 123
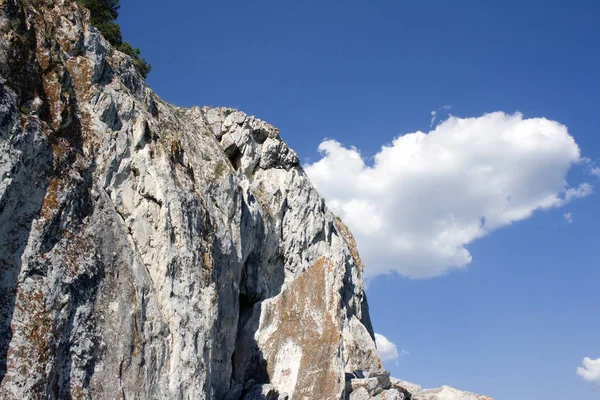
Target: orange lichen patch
43, 57
58, 150
38, 330
47, 19
138, 341
207, 261
349, 239
52, 89
207, 267
50, 203
78, 392
264, 199
42, 33
81, 72
77, 249
32, 354
301, 315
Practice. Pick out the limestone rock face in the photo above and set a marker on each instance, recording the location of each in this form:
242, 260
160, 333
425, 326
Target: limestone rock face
447, 393
150, 251
377, 385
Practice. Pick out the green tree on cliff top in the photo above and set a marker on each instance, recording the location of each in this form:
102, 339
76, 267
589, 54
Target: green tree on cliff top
103, 16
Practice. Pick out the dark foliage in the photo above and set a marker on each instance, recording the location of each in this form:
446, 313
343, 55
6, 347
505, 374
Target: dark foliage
103, 16
140, 63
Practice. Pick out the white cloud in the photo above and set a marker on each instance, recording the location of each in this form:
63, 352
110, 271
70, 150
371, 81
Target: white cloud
433, 117
583, 190
590, 371
591, 167
568, 217
387, 350
434, 114
427, 196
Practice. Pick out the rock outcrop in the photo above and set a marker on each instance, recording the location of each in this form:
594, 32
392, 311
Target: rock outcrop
377, 384
151, 251
447, 393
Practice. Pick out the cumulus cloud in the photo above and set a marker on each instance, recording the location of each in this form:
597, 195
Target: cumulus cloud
387, 350
427, 196
590, 371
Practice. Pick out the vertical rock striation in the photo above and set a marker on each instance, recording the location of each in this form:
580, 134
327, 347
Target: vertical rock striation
150, 251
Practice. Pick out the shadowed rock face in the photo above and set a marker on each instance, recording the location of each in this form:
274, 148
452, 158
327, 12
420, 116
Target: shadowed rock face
151, 251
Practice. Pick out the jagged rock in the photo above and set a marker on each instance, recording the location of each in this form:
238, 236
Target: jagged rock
390, 394
360, 394
151, 251
407, 388
262, 392
374, 382
371, 384
447, 393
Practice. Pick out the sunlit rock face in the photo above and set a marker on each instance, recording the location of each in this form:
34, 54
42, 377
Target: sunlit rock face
150, 251
447, 393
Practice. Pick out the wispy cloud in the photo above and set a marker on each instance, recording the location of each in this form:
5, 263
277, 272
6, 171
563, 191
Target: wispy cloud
568, 216
591, 167
583, 190
434, 114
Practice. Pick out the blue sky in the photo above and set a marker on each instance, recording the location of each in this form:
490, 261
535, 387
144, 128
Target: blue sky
517, 322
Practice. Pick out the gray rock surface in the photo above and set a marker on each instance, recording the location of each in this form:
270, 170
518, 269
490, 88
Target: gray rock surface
262, 392
447, 393
377, 385
151, 251
404, 387
360, 394
390, 394
374, 382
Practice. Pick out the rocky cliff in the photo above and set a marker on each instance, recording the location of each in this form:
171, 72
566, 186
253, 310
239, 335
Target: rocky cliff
150, 251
